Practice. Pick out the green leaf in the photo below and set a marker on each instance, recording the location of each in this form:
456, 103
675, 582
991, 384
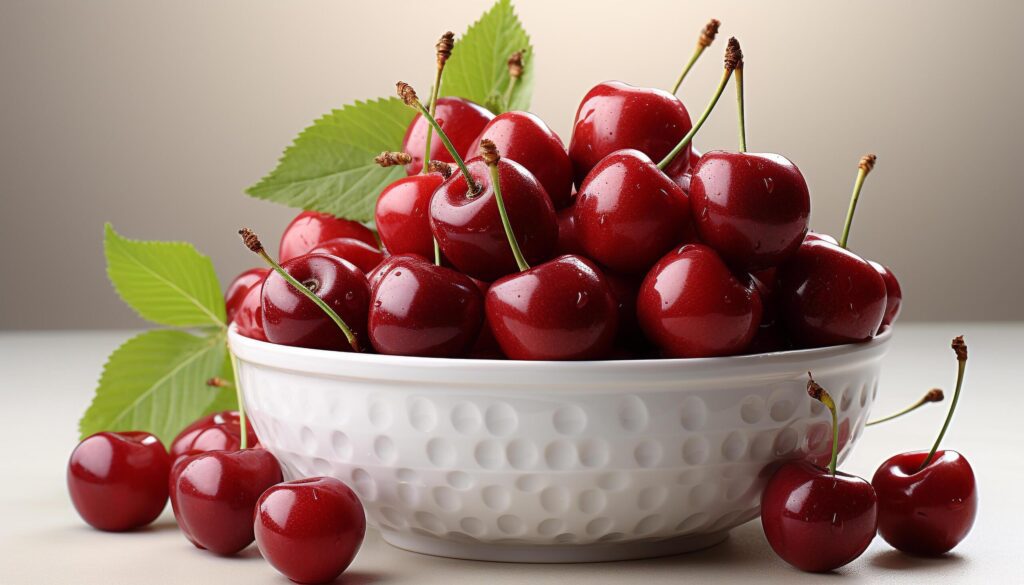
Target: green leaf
226, 398
330, 168
165, 282
156, 382
478, 67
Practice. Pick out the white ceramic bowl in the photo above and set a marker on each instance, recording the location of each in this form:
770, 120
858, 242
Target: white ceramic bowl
552, 461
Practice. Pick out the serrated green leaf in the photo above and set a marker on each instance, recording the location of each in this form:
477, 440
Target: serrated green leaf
156, 382
165, 282
478, 67
330, 168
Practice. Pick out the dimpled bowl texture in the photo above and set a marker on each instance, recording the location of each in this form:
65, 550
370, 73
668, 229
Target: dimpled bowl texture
552, 461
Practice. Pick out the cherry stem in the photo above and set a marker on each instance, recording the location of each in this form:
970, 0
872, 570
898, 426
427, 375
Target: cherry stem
444, 51
933, 395
408, 95
707, 35
217, 382
489, 152
821, 395
243, 440
960, 347
739, 103
515, 71
253, 243
437, 253
689, 65
867, 162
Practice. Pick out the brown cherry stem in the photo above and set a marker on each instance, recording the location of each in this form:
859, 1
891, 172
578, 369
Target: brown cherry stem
933, 395
489, 153
515, 71
408, 95
218, 382
707, 36
821, 395
865, 166
960, 348
444, 51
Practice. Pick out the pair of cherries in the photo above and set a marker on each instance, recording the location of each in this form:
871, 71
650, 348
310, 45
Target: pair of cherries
923, 503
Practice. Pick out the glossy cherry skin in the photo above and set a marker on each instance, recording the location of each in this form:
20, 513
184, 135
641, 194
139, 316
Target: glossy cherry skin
215, 496
310, 529
364, 256
751, 208
239, 287
468, 228
560, 310
402, 214
815, 521
461, 120
926, 511
309, 229
419, 309
220, 431
118, 481
811, 236
616, 116
526, 139
568, 243
249, 316
628, 213
830, 296
290, 318
691, 305
893, 295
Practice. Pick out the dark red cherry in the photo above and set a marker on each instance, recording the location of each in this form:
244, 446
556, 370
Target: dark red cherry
926, 511
220, 431
239, 287
560, 310
118, 481
751, 208
628, 213
364, 256
830, 296
625, 290
461, 119
215, 496
468, 227
615, 116
526, 139
893, 295
691, 305
309, 229
249, 316
420, 309
310, 529
568, 243
402, 214
817, 521
290, 318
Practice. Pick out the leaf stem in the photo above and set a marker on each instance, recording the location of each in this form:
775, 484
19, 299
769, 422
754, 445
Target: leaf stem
244, 431
933, 395
961, 357
867, 163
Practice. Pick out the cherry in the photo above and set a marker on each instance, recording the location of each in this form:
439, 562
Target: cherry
462, 121
402, 209
220, 431
118, 481
239, 287
815, 518
310, 529
215, 496
420, 309
625, 290
311, 228
893, 295
568, 242
691, 305
362, 255
249, 316
526, 139
928, 500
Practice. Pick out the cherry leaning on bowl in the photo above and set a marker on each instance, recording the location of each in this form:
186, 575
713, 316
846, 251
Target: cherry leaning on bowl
311, 228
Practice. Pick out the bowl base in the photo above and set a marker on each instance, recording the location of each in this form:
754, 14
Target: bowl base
557, 553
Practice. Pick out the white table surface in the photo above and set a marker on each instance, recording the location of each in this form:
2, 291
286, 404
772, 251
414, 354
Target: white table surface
48, 379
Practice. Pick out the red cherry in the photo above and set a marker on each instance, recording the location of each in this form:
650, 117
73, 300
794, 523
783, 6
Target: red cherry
310, 228
239, 287
691, 305
893, 295
364, 256
526, 139
249, 316
462, 120
310, 529
568, 242
830, 296
628, 213
220, 431
615, 116
751, 208
402, 214
420, 309
468, 227
560, 310
292, 319
118, 481
625, 290
215, 496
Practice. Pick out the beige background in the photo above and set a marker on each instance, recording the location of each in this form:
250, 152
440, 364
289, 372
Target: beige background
156, 115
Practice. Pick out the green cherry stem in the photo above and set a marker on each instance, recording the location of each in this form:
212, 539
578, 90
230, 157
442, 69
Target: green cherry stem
489, 153
960, 348
444, 51
733, 59
739, 103
408, 95
707, 36
252, 242
821, 395
933, 395
515, 71
243, 440
867, 163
